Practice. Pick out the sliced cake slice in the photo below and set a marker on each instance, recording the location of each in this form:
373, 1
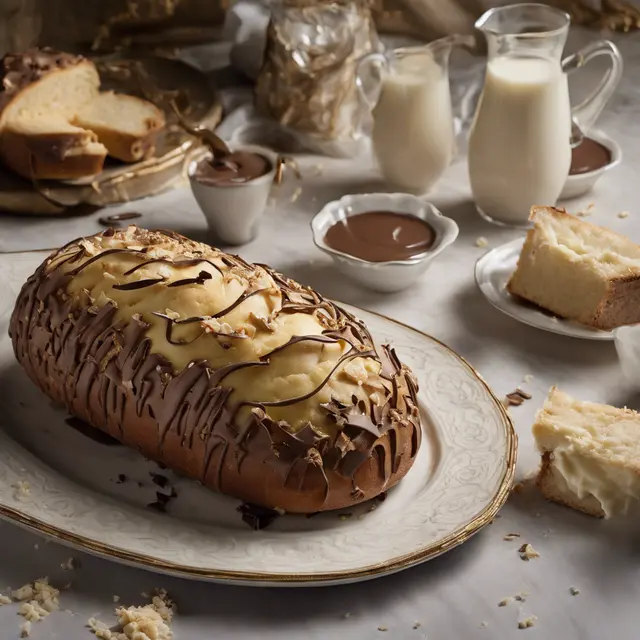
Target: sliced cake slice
127, 126
578, 270
590, 455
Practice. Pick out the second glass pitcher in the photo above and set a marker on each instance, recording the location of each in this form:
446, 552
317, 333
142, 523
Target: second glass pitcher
519, 144
413, 128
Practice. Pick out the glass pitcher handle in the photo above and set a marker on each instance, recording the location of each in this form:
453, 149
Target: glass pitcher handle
587, 112
368, 84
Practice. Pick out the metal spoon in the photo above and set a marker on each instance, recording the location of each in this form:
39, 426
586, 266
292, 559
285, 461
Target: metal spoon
577, 136
217, 145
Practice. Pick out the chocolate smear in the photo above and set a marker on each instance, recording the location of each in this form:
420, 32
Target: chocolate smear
116, 218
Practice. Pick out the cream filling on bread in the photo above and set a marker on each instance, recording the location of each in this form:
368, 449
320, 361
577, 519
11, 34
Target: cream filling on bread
616, 489
595, 449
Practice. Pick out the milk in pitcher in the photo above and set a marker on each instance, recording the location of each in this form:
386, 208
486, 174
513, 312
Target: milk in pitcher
413, 136
519, 147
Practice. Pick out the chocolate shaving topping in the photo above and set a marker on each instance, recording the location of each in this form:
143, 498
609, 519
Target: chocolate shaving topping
112, 371
138, 284
257, 517
201, 278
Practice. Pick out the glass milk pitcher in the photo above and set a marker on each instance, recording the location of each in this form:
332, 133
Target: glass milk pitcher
413, 129
519, 144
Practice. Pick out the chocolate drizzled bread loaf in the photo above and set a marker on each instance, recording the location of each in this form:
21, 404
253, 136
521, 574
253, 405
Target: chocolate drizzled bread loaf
225, 371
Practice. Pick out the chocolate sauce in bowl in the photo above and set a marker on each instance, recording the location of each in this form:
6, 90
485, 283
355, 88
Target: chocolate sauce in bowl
236, 168
381, 236
589, 155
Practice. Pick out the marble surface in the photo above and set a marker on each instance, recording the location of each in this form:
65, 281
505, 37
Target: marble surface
455, 596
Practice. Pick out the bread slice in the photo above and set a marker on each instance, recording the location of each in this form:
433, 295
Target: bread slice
578, 270
125, 125
42, 90
590, 455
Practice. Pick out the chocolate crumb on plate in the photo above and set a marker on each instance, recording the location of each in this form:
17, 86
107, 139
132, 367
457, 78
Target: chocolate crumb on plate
117, 218
257, 517
121, 478
162, 500
159, 479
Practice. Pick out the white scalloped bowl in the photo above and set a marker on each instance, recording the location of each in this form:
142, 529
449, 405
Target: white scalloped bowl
383, 276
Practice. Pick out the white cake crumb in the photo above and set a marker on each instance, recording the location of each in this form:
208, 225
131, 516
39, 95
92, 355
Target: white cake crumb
116, 598
25, 629
296, 194
623, 214
573, 591
509, 537
417, 624
528, 379
149, 622
504, 602
319, 169
527, 552
383, 629
36, 546
22, 490
482, 242
521, 597
69, 565
527, 622
5, 600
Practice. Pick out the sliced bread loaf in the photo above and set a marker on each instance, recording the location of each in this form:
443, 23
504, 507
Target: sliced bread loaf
55, 123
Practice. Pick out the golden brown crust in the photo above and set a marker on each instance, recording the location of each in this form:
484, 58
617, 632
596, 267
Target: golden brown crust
61, 156
106, 369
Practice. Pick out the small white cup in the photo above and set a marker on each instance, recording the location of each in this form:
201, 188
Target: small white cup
234, 211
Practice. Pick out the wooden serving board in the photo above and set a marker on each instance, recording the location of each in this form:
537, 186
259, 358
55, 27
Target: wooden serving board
159, 80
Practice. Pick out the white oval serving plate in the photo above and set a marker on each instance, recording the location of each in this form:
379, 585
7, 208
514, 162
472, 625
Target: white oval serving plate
492, 273
95, 497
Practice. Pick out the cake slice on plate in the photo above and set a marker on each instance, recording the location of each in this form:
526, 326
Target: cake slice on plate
578, 270
590, 455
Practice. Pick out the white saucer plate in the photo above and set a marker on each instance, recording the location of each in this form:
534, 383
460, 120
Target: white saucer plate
492, 273
95, 496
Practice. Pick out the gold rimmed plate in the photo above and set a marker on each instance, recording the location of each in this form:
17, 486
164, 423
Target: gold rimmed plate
102, 498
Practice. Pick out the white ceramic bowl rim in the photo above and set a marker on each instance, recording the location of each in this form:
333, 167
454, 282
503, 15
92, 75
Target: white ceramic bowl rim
272, 156
611, 145
393, 199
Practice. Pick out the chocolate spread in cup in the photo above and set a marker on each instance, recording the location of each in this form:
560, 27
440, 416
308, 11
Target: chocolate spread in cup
236, 168
589, 155
381, 236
